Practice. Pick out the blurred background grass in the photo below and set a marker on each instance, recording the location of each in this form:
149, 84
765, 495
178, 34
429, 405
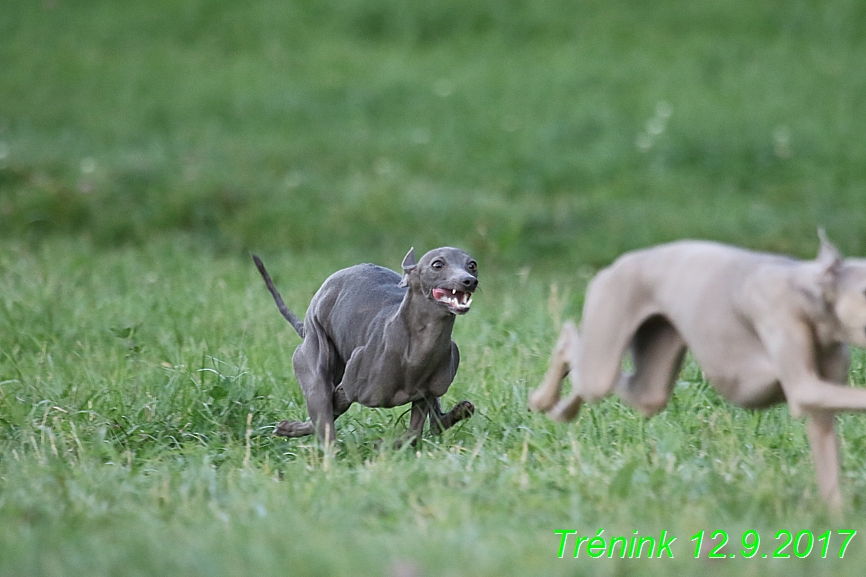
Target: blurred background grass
527, 131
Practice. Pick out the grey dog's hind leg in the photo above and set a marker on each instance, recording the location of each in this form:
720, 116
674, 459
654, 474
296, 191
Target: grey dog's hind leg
316, 367
302, 429
294, 429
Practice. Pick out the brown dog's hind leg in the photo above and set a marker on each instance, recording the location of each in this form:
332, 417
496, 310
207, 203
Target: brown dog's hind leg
658, 350
596, 365
563, 356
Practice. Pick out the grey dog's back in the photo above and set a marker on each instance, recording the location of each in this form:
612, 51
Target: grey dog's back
356, 301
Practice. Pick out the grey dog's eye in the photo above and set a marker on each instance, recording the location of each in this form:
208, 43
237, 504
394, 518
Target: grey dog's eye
437, 264
472, 266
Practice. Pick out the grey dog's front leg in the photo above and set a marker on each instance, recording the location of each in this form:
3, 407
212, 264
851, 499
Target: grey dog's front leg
420, 410
440, 421
418, 416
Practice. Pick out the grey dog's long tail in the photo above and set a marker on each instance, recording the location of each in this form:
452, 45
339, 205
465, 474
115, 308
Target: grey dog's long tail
296, 323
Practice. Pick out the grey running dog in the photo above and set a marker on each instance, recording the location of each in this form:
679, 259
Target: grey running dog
765, 329
381, 339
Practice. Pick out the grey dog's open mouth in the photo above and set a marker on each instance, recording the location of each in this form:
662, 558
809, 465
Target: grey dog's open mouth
456, 301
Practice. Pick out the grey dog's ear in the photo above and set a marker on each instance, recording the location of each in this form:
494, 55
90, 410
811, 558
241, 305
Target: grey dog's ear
830, 262
408, 266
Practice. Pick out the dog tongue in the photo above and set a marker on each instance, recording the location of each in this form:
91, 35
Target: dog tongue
449, 297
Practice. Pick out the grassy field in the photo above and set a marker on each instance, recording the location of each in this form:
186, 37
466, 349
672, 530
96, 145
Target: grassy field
145, 149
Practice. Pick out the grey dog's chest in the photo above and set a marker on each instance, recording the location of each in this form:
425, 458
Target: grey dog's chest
379, 361
396, 383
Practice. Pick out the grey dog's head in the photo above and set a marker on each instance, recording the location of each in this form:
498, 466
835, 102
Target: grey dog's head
843, 285
447, 276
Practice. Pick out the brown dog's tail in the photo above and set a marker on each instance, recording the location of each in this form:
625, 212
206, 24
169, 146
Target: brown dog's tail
296, 323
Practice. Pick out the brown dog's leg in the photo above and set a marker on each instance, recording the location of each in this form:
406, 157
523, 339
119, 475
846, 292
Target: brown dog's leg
595, 361
820, 400
825, 451
658, 350
564, 354
613, 311
833, 364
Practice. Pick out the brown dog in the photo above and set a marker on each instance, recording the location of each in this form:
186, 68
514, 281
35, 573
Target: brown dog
764, 328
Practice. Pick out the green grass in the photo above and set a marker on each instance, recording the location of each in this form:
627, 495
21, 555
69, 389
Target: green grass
509, 127
145, 149
127, 389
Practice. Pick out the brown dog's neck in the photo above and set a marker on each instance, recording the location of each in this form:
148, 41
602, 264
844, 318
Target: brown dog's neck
817, 302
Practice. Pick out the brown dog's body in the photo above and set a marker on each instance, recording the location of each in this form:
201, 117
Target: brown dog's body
764, 328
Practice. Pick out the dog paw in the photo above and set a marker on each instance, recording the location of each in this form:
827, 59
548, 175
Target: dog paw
540, 401
293, 429
408, 439
463, 410
564, 412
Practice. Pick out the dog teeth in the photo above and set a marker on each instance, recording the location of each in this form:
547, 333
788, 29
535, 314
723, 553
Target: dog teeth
456, 299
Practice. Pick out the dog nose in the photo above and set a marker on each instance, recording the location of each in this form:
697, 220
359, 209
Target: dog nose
469, 282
